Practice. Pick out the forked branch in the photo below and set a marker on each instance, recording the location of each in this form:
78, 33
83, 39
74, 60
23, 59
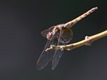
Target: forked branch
87, 41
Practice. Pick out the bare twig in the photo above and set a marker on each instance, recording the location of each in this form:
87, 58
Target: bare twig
74, 21
87, 41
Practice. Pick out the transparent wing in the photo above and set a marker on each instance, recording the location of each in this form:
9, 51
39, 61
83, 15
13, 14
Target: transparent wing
57, 55
66, 35
45, 56
56, 58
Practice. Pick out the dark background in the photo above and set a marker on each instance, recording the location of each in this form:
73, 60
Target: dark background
21, 43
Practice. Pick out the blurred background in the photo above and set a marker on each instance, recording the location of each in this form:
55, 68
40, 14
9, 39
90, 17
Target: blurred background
21, 43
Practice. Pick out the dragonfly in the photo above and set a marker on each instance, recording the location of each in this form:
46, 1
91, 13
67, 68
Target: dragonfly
58, 35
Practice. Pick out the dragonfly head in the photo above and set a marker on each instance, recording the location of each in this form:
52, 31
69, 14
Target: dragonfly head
49, 35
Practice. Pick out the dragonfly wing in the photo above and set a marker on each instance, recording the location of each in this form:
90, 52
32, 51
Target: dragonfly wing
56, 58
45, 56
57, 55
66, 35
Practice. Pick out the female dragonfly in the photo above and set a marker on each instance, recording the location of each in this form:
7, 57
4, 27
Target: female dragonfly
57, 35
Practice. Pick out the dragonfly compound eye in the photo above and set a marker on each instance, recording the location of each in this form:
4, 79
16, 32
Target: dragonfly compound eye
49, 35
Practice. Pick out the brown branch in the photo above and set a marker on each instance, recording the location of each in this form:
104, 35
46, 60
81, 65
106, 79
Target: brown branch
87, 41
